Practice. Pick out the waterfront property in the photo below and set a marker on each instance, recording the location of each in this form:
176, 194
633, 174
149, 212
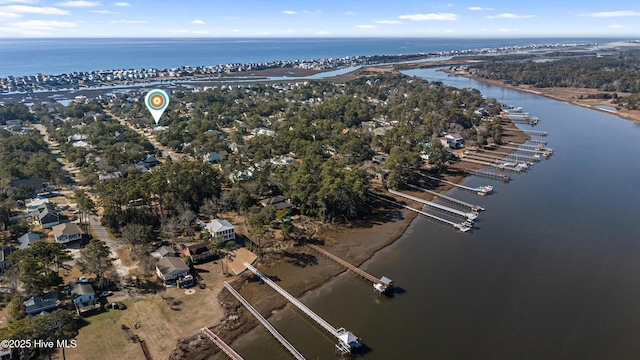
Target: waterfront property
171, 268
222, 228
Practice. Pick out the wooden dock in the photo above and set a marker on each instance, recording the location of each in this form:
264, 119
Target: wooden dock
265, 323
382, 286
491, 175
535, 132
448, 198
221, 344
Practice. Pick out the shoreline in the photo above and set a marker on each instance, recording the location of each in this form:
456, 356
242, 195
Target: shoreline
570, 96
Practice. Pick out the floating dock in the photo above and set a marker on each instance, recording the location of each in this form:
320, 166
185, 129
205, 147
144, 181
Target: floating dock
346, 339
383, 285
463, 226
296, 354
449, 199
221, 344
545, 153
480, 190
451, 211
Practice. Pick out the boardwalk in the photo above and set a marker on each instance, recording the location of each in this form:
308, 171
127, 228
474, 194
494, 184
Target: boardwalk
346, 339
382, 285
221, 344
265, 323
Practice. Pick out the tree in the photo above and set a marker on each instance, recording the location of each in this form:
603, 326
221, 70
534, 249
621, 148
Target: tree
437, 154
96, 259
39, 265
133, 234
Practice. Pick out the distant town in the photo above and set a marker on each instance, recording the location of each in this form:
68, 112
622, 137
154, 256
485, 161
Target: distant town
100, 78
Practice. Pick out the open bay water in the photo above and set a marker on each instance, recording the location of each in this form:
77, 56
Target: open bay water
21, 57
551, 270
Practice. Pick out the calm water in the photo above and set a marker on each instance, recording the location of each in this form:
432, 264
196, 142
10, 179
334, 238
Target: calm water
19, 57
550, 272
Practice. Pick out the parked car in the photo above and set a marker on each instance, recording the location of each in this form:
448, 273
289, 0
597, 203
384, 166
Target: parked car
106, 293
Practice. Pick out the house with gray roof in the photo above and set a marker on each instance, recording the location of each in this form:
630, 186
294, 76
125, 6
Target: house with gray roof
27, 239
171, 268
64, 233
222, 228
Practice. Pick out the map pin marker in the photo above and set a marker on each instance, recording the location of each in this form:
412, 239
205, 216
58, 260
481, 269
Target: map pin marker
157, 101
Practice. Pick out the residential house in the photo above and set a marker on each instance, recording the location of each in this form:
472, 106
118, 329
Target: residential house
222, 228
37, 184
215, 157
199, 253
109, 176
84, 297
33, 204
27, 239
454, 141
66, 232
47, 215
171, 268
263, 131
279, 202
37, 305
163, 251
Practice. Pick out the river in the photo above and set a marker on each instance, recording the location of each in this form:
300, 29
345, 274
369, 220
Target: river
551, 270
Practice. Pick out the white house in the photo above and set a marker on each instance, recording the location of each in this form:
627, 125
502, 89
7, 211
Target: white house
171, 268
222, 228
66, 232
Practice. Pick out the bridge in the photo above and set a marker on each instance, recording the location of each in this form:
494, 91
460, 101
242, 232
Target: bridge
264, 322
346, 339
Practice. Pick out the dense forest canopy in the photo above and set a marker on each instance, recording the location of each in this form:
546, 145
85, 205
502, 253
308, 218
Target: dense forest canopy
616, 73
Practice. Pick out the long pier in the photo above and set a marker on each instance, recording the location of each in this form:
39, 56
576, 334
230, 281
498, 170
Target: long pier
480, 190
535, 132
265, 323
448, 198
495, 165
539, 152
346, 339
491, 175
382, 285
464, 226
494, 154
221, 344
469, 215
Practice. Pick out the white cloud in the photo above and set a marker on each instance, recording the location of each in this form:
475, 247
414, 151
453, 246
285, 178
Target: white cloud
9, 15
614, 13
199, 22
510, 16
42, 24
18, 1
128, 21
323, 33
289, 12
348, 12
306, 12
122, 4
428, 17
25, 9
79, 3
389, 22
104, 12
365, 26
478, 8
614, 26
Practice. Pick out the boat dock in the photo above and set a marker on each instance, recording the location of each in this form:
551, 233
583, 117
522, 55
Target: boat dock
463, 226
346, 339
265, 323
535, 132
545, 153
491, 175
493, 154
451, 211
480, 190
536, 141
221, 344
496, 165
450, 199
383, 284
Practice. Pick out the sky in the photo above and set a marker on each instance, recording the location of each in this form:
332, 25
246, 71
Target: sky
283, 19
